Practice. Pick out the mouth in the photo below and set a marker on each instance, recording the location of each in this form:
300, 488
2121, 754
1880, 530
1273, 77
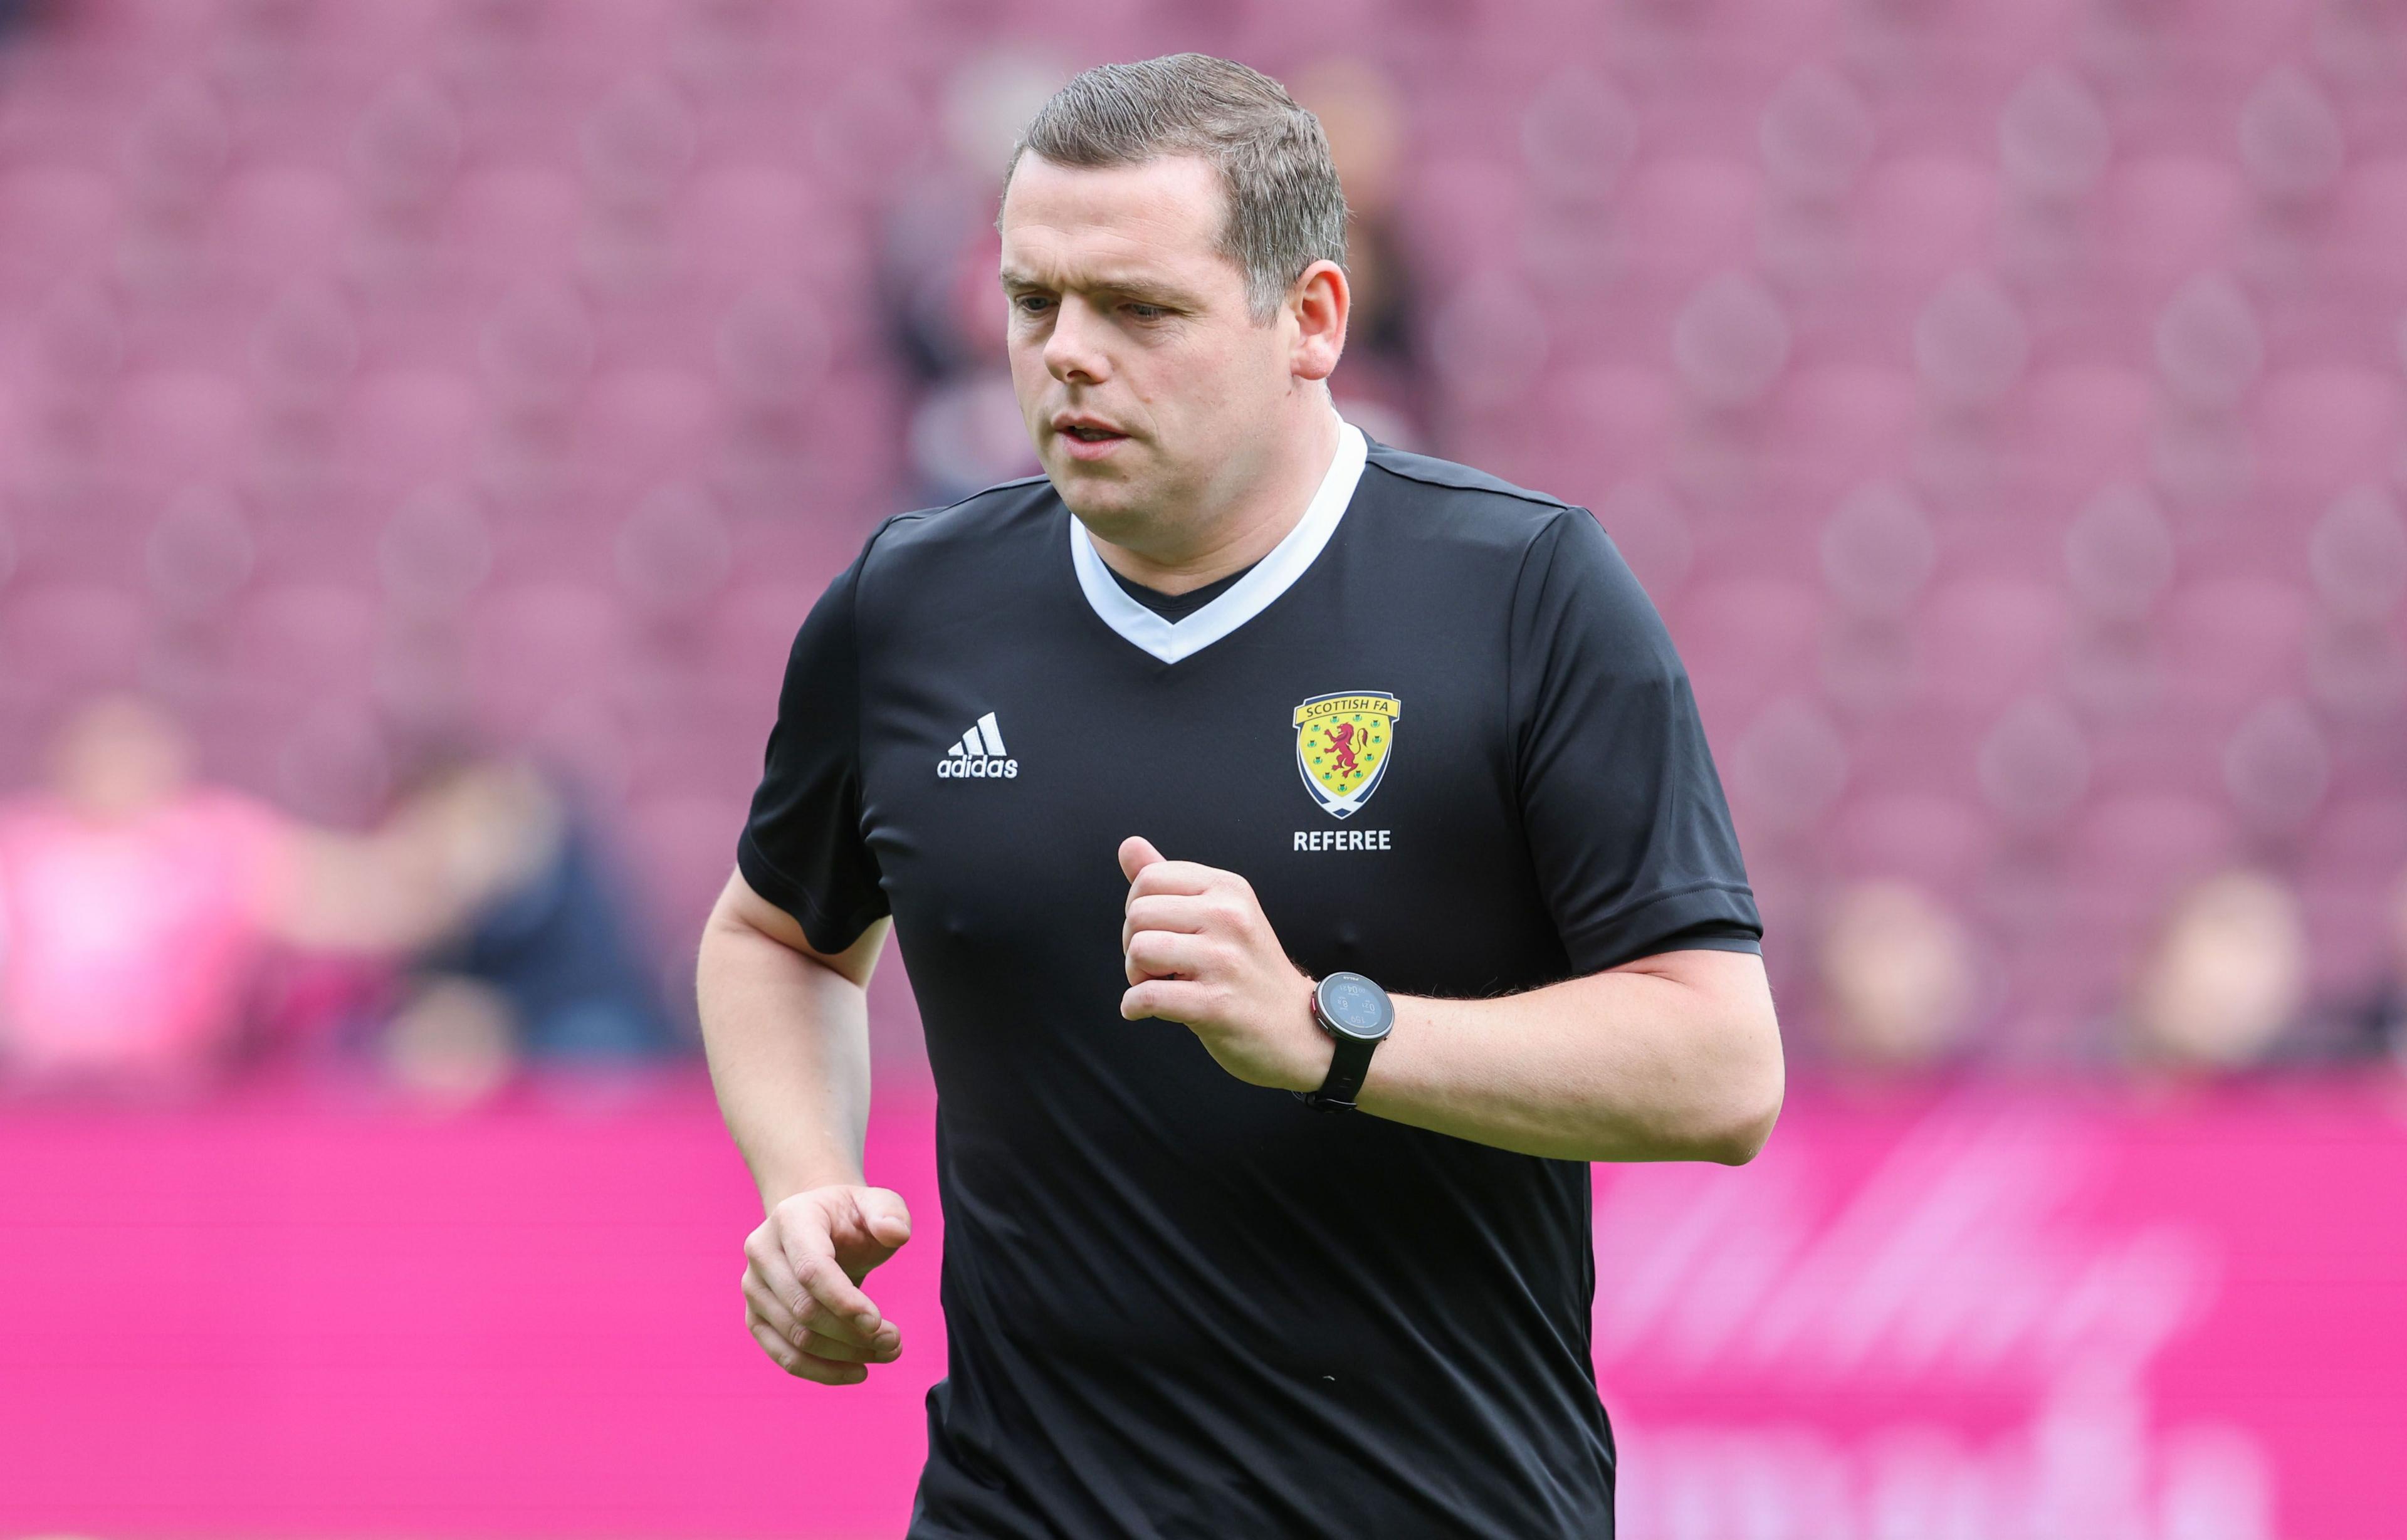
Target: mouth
1087, 440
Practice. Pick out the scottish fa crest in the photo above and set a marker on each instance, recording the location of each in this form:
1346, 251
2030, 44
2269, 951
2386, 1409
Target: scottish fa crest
1341, 744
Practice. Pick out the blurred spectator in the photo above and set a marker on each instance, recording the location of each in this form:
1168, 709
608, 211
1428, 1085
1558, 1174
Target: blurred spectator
482, 272
526, 952
938, 259
2222, 987
1380, 385
2378, 1026
135, 907
159, 932
1899, 982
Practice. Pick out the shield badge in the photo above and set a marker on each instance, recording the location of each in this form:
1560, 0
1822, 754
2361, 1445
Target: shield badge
1342, 745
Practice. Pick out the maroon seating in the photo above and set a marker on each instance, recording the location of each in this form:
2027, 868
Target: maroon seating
2006, 421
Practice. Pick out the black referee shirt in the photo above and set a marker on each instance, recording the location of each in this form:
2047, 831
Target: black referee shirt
1441, 731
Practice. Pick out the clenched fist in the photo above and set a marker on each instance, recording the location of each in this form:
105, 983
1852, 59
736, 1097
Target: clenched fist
1199, 950
802, 1269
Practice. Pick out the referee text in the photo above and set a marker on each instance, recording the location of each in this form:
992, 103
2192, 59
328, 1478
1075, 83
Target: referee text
1340, 839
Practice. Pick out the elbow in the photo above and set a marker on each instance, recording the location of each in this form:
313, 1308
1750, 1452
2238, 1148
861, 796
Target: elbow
1743, 1139
1742, 1120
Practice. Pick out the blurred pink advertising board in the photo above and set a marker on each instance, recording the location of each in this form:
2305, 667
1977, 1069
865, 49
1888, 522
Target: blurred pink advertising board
1996, 1315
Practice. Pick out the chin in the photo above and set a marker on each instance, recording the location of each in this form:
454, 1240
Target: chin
1101, 504
1107, 507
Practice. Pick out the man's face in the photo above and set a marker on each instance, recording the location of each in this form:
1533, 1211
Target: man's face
1124, 312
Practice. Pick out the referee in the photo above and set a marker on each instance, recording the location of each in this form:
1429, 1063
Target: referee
1308, 860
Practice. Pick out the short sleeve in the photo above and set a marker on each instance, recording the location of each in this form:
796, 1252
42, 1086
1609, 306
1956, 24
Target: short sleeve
1628, 828
802, 847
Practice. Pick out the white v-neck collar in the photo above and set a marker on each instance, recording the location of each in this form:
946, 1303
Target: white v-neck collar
1249, 595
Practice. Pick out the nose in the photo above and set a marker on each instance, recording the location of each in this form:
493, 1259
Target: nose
1074, 353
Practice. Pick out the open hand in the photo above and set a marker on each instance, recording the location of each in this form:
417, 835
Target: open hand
1200, 951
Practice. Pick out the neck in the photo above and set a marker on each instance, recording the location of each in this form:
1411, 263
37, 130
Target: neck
1249, 528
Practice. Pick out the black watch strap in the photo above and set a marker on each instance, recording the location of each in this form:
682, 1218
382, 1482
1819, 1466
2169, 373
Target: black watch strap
1346, 1072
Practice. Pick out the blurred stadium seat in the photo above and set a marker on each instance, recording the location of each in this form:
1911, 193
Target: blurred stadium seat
2001, 403
2005, 410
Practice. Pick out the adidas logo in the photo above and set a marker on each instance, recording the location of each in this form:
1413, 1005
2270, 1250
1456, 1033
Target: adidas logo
979, 755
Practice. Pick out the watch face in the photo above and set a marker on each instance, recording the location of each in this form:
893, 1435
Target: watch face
1355, 1005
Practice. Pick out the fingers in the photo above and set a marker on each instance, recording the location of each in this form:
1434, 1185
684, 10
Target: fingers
761, 1309
1177, 1000
1168, 954
833, 1305
1180, 877
1165, 912
806, 1329
802, 1303
1136, 854
766, 1269
762, 1303
806, 1281
834, 1351
812, 1364
793, 1317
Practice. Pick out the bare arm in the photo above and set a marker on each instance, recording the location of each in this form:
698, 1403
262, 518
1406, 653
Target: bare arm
785, 1028
1675, 1057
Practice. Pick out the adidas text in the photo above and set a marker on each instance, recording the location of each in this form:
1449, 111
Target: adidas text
979, 755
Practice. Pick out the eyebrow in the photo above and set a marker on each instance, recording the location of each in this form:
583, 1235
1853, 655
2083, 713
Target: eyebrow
1118, 283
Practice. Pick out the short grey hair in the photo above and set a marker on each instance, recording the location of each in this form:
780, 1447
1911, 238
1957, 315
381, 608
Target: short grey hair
1285, 209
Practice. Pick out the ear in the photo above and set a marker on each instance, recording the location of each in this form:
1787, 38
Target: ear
1321, 304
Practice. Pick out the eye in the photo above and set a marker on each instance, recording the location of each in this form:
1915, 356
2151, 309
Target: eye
1147, 312
1023, 304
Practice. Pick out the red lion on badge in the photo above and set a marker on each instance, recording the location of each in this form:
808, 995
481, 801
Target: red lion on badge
1341, 743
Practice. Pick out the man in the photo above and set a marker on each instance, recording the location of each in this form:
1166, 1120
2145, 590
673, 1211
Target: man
1164, 763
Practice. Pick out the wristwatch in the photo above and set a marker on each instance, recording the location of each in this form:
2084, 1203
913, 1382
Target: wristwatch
1357, 1016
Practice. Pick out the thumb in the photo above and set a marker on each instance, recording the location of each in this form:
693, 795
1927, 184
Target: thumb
1136, 854
884, 1216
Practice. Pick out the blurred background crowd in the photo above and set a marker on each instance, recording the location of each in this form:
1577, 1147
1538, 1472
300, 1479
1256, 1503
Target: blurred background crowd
422, 427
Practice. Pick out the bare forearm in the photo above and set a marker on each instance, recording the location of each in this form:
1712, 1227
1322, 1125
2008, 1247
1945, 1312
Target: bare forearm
788, 1040
1673, 1056
1625, 1065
